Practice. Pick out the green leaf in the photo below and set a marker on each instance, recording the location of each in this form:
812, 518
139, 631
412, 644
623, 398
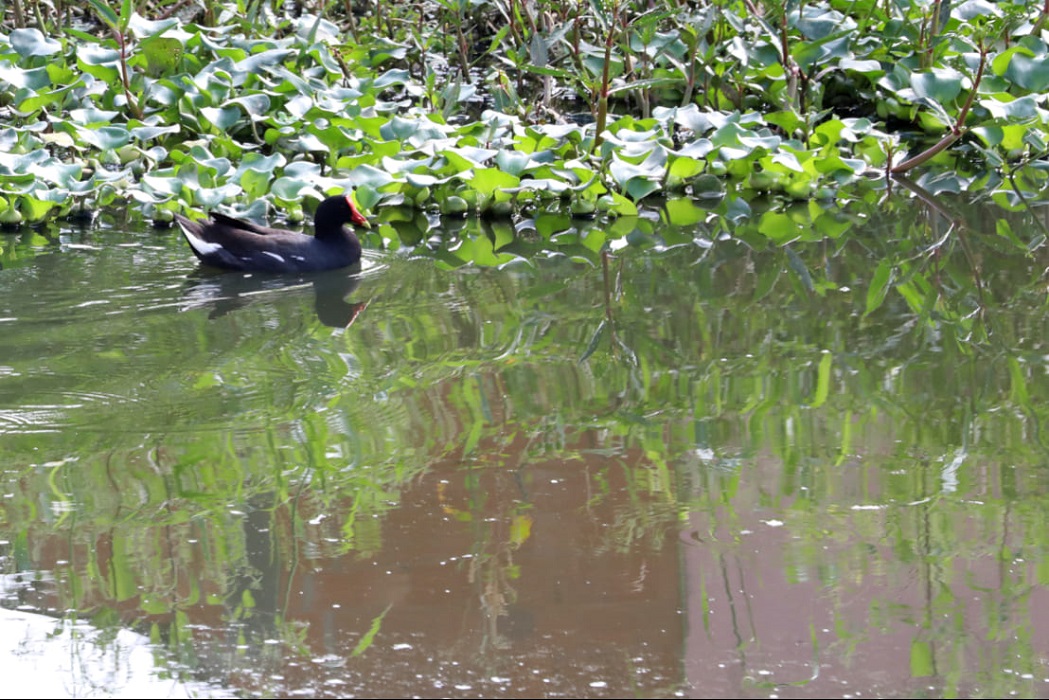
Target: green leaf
31, 42
822, 381
368, 637
708, 187
487, 180
256, 62
595, 341
922, 664
222, 118
105, 12
636, 181
685, 168
127, 9
940, 85
35, 209
44, 99
32, 79
143, 28
105, 138
778, 227
879, 286
102, 63
255, 183
1030, 73
800, 270
682, 211
621, 206
147, 133
162, 55
293, 190
1003, 229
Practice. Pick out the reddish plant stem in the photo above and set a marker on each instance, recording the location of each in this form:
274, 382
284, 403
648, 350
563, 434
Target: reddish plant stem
602, 100
957, 130
132, 105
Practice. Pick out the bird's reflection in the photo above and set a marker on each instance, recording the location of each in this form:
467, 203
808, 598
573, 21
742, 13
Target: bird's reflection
223, 292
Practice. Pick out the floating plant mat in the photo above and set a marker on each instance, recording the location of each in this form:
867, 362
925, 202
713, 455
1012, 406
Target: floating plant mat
267, 112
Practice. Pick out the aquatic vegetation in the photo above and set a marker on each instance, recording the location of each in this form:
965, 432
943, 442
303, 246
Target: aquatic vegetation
464, 108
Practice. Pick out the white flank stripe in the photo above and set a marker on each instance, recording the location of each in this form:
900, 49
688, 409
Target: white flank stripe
202, 247
273, 255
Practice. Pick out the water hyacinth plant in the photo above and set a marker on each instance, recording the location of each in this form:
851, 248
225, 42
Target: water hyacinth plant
506, 108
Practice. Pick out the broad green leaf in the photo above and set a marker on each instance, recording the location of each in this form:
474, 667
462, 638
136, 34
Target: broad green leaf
255, 63
32, 79
222, 118
940, 85
708, 187
487, 180
166, 184
621, 206
105, 138
102, 63
391, 78
778, 227
685, 168
255, 183
1022, 109
635, 181
147, 133
45, 99
1029, 72
35, 209
682, 211
162, 55
512, 162
143, 28
31, 42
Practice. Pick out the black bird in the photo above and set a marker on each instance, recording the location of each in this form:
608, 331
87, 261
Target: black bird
233, 244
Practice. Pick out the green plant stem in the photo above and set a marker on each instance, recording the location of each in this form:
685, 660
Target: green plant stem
16, 5
1040, 22
1011, 177
126, 78
352, 21
602, 100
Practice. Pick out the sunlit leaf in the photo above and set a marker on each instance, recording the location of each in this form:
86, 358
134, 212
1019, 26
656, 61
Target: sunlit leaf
162, 54
31, 42
487, 180
222, 118
941, 85
682, 211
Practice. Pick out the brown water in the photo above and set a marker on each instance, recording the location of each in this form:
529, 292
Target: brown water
694, 470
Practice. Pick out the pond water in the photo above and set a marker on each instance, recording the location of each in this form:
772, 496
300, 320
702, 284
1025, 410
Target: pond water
695, 470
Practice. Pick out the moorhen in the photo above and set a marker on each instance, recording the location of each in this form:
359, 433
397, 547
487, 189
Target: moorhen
232, 244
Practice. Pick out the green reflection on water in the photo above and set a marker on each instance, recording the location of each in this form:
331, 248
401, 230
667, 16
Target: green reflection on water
179, 459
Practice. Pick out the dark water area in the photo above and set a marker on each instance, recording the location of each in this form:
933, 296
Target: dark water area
699, 467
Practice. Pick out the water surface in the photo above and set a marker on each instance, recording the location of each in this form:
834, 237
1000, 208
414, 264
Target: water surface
696, 467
